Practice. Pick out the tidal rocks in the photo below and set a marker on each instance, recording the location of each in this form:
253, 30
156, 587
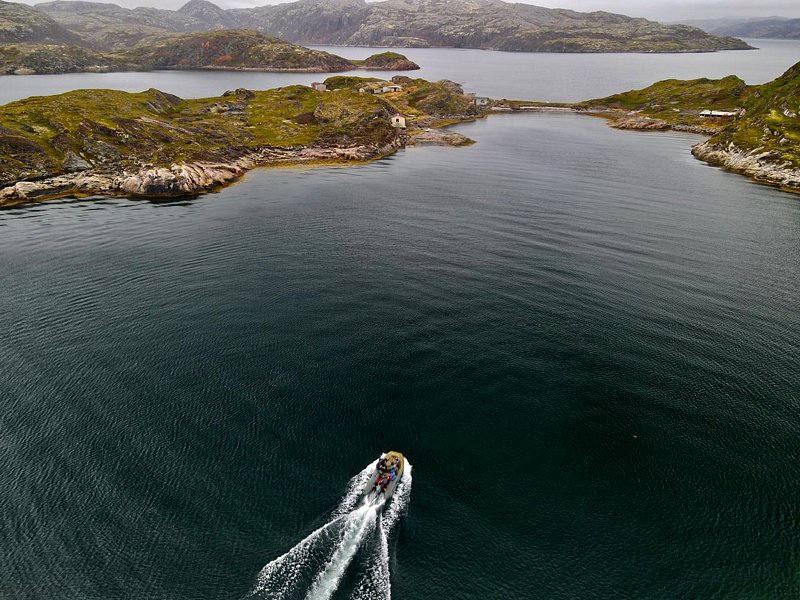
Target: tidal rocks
764, 167
438, 137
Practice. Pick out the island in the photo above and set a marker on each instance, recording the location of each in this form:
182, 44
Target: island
486, 24
153, 144
237, 49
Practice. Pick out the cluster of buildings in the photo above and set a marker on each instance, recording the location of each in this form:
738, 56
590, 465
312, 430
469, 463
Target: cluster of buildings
398, 120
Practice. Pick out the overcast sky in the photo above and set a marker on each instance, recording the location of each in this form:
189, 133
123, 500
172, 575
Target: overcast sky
662, 10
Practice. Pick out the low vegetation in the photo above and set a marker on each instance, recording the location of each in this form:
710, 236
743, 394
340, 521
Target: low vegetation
676, 102
418, 98
44, 136
770, 122
113, 131
226, 49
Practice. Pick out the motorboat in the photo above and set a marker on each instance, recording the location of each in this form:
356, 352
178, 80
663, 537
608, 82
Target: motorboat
385, 478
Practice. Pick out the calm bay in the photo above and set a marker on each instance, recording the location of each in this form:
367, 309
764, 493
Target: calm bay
586, 342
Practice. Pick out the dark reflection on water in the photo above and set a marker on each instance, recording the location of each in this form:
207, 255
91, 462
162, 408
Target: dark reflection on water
585, 341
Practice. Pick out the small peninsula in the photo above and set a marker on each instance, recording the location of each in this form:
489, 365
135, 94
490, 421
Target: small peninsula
153, 144
754, 129
217, 50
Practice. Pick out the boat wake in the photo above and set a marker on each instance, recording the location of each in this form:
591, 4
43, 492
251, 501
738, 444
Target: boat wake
357, 531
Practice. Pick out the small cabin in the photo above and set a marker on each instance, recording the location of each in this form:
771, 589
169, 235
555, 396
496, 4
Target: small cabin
718, 113
320, 87
398, 121
391, 88
481, 101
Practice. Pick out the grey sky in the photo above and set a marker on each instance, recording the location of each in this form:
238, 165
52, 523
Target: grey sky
662, 10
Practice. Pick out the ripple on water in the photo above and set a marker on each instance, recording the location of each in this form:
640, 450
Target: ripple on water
587, 341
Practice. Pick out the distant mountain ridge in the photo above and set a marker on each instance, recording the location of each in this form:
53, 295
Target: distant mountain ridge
776, 28
237, 49
490, 24
23, 24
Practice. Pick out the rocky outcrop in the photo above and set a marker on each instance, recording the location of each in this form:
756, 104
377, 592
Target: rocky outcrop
184, 179
644, 123
438, 137
764, 167
388, 61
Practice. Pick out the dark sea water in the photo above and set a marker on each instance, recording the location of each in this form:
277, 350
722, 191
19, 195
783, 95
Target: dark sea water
585, 341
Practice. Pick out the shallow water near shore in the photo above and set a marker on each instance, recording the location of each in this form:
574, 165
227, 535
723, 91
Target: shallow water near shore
585, 340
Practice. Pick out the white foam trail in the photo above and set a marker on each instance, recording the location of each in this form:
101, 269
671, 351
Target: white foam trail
321, 558
354, 491
279, 577
376, 582
399, 502
360, 521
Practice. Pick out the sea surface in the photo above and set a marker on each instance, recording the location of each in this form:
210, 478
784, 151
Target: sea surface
585, 341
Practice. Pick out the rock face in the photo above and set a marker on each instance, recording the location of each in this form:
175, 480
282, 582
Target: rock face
231, 49
24, 24
489, 24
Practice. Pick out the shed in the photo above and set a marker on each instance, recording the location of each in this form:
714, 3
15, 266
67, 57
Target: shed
481, 100
718, 113
398, 121
320, 87
391, 88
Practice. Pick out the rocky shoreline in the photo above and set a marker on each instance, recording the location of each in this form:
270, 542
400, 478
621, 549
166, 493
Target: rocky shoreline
643, 123
758, 165
184, 179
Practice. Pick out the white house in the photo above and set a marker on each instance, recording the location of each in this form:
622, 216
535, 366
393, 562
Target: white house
481, 100
398, 121
320, 87
391, 88
718, 113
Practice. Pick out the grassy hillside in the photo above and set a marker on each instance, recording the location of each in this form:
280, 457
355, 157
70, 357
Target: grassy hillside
110, 130
678, 101
770, 124
44, 136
